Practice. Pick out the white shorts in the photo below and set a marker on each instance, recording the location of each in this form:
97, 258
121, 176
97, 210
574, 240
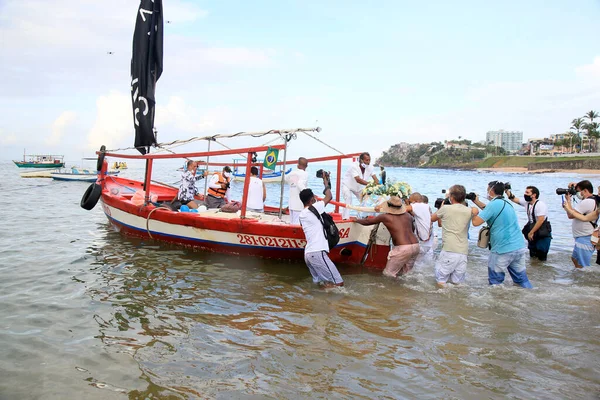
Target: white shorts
451, 267
322, 269
426, 254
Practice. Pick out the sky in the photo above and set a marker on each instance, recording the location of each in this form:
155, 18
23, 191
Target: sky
370, 75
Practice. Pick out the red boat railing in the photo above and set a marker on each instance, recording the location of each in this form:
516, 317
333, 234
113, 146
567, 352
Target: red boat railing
249, 151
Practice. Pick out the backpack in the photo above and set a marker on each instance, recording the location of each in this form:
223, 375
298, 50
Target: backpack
332, 234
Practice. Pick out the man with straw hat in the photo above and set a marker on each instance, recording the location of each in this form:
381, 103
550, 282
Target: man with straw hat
406, 245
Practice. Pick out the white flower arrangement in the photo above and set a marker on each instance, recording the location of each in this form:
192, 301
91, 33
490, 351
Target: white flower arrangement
400, 189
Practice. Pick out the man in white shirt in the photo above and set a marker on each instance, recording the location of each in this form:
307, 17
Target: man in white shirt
316, 252
582, 230
298, 181
538, 240
257, 192
355, 180
422, 228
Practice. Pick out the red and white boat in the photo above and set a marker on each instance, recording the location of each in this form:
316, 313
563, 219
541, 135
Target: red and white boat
267, 234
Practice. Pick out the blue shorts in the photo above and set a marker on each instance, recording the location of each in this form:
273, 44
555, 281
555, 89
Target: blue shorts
322, 269
583, 250
514, 262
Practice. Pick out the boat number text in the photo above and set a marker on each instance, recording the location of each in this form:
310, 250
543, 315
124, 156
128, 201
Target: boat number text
344, 233
272, 241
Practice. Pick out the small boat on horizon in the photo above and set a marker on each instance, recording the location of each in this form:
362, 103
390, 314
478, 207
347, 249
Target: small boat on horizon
41, 161
78, 174
267, 177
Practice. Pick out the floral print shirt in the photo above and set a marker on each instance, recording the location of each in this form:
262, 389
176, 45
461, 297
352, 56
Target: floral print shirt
187, 189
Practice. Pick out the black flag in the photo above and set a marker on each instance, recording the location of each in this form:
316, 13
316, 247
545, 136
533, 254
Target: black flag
146, 68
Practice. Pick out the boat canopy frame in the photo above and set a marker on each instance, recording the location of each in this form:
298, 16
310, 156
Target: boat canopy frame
246, 152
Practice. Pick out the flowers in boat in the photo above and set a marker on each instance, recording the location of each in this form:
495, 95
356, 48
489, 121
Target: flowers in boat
400, 189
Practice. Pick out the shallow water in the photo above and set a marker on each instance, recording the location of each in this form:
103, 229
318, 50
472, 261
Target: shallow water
88, 313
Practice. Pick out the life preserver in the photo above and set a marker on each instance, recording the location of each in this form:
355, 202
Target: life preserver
220, 192
100, 158
91, 196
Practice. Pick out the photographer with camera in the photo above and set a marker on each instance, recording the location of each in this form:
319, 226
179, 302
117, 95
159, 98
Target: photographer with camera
355, 180
451, 264
316, 252
507, 250
582, 230
538, 230
218, 187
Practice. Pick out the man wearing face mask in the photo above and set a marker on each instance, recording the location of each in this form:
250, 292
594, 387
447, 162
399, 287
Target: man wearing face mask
217, 188
537, 231
507, 247
355, 180
582, 230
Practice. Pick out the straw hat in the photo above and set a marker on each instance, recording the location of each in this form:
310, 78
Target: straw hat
394, 205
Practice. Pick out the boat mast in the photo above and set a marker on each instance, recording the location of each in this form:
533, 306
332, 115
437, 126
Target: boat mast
207, 174
286, 139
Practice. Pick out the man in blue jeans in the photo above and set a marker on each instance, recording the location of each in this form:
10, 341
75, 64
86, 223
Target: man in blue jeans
508, 251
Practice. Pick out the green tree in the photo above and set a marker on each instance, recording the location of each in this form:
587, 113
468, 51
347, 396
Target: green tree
578, 124
592, 128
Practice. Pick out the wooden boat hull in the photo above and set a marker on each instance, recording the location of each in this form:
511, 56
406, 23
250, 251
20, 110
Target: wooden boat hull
69, 176
258, 235
38, 173
22, 164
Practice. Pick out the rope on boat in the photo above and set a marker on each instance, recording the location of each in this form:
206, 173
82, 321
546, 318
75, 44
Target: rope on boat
372, 239
222, 136
148, 220
322, 142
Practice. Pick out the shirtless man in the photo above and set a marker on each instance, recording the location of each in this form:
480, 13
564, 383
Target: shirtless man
406, 245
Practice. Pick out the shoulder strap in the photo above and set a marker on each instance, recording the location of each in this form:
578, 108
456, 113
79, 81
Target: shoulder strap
504, 205
314, 211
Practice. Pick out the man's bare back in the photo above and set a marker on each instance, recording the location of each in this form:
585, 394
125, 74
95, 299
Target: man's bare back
400, 227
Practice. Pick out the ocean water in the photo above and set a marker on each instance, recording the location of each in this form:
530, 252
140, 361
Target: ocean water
88, 313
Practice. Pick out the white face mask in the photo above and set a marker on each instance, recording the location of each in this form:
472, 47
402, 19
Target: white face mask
579, 195
364, 165
226, 174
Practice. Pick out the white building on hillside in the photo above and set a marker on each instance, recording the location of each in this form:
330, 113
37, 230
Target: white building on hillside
508, 140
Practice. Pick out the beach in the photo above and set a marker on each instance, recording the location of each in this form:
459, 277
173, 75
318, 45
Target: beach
523, 170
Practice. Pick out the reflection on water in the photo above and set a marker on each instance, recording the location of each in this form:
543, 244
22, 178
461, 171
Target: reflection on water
89, 313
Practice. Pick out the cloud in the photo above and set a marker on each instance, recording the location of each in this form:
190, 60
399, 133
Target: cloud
7, 138
113, 126
590, 71
59, 127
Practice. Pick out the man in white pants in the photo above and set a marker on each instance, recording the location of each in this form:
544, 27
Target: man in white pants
298, 181
355, 180
423, 229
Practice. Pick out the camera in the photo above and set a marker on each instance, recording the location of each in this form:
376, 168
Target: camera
439, 202
471, 196
321, 172
507, 186
228, 185
572, 191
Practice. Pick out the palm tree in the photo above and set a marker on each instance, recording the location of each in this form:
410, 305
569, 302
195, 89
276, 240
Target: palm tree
592, 131
592, 127
578, 124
